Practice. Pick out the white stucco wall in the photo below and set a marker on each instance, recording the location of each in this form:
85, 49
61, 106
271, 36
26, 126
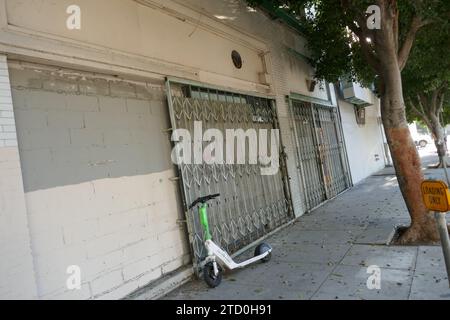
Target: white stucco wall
364, 142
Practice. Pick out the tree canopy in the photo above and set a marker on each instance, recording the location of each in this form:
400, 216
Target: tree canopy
427, 75
332, 29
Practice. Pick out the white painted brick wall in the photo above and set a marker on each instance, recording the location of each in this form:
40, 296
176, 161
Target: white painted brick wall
106, 282
17, 280
111, 226
364, 140
7, 136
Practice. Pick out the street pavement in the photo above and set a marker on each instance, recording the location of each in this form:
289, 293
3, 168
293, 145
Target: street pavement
331, 252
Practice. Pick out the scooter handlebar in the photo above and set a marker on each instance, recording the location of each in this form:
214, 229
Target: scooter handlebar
204, 199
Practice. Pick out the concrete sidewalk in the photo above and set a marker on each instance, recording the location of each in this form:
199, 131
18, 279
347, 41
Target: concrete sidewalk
325, 254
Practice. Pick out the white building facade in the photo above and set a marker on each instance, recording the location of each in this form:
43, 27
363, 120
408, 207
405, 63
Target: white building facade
86, 115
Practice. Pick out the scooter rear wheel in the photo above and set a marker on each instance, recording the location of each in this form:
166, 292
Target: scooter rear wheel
210, 278
262, 248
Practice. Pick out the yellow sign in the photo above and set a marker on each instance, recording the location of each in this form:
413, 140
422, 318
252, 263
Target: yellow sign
436, 195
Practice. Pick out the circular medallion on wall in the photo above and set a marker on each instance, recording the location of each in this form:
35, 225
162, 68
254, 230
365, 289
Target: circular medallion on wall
237, 59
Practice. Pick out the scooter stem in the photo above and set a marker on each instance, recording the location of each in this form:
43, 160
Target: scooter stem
204, 220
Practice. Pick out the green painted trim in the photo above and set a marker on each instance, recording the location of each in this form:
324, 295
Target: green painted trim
283, 15
301, 97
219, 88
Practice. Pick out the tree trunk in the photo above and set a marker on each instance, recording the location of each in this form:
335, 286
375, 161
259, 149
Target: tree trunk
440, 140
406, 160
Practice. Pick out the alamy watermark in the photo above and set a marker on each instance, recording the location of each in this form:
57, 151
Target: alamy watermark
374, 18
73, 22
73, 282
374, 280
235, 146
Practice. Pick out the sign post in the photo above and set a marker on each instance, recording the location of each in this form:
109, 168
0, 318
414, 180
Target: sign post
436, 197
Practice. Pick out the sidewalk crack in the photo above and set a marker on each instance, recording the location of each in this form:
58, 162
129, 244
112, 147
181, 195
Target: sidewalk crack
332, 271
414, 272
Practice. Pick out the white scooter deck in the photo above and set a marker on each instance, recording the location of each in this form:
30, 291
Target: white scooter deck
215, 251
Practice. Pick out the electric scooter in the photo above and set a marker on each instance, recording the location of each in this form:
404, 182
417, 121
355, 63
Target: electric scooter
218, 258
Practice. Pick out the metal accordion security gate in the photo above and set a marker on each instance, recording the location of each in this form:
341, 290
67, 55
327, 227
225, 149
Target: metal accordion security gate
320, 151
250, 204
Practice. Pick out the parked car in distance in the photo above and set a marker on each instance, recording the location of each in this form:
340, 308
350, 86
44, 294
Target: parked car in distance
420, 135
422, 140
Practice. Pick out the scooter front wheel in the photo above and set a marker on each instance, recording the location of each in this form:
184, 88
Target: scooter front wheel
213, 280
262, 248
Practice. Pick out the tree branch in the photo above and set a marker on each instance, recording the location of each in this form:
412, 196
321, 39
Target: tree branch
422, 101
441, 102
434, 101
403, 53
422, 115
366, 48
443, 87
414, 108
437, 99
360, 30
396, 29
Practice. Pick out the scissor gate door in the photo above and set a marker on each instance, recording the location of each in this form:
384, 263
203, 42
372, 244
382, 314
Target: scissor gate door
251, 205
320, 150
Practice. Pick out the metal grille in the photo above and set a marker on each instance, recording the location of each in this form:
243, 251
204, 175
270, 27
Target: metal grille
320, 150
250, 205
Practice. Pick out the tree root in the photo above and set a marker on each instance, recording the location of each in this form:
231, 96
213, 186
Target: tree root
420, 235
